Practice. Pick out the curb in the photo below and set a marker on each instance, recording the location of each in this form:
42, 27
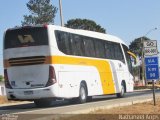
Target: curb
141, 90
144, 90
122, 104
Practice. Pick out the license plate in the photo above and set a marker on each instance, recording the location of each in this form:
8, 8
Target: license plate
28, 92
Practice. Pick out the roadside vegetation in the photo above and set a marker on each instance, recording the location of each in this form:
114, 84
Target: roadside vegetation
149, 86
1, 78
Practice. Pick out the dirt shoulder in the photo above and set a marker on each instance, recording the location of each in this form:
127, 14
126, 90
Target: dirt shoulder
3, 100
139, 108
140, 111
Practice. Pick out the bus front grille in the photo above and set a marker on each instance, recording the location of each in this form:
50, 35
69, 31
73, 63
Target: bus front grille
22, 61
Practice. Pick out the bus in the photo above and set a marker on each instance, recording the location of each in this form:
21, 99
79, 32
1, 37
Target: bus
43, 63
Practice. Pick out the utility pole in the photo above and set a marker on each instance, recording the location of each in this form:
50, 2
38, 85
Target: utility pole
143, 74
60, 9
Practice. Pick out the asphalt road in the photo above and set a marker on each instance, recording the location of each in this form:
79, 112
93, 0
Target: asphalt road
63, 107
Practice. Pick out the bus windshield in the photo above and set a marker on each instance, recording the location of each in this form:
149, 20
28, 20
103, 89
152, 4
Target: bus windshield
24, 37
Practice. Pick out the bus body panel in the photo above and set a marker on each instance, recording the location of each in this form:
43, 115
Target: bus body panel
23, 75
70, 77
102, 76
27, 77
32, 94
102, 66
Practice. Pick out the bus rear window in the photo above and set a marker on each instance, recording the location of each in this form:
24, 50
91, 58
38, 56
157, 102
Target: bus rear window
33, 36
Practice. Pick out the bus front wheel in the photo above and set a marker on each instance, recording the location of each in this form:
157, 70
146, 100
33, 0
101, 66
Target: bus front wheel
82, 93
122, 92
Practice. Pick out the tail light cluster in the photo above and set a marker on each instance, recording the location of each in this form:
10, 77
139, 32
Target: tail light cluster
52, 76
7, 84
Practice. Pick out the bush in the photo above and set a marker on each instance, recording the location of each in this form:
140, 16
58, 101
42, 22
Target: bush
1, 78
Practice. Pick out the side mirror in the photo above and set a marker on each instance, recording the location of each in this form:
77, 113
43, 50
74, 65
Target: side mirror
133, 56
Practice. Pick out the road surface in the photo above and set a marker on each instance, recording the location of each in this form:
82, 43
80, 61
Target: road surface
63, 107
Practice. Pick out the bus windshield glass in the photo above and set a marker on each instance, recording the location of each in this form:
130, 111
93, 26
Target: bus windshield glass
24, 37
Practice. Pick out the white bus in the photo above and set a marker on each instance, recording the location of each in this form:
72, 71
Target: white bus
46, 62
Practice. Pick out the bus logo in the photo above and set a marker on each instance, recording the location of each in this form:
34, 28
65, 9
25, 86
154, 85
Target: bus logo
25, 38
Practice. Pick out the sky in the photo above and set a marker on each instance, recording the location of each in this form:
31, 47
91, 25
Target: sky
126, 19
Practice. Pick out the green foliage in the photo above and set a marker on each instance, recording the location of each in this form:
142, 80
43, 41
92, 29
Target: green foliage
136, 70
1, 78
84, 24
42, 12
136, 46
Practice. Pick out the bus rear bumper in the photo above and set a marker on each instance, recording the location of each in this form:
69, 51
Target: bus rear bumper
30, 94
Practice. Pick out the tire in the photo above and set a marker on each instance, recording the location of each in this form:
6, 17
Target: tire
82, 94
43, 102
122, 93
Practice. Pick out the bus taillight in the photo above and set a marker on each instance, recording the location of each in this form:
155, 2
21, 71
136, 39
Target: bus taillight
45, 25
7, 84
52, 76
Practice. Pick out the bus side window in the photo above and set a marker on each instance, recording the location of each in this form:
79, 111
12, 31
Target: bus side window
63, 41
118, 52
99, 48
128, 59
77, 45
109, 50
89, 47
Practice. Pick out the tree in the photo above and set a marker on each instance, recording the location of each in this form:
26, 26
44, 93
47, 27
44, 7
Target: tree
84, 24
1, 78
41, 12
137, 45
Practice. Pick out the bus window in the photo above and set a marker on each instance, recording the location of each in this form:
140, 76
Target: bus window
63, 41
109, 50
128, 59
89, 47
118, 52
77, 45
99, 48
31, 36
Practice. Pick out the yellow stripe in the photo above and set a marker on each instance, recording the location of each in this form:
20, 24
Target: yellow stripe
102, 66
